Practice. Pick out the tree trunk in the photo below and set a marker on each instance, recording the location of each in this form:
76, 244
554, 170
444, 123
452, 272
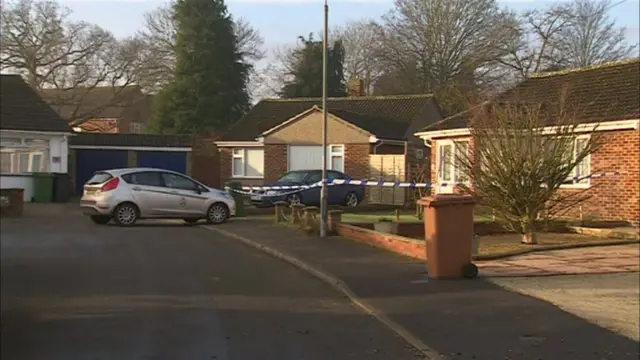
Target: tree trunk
530, 238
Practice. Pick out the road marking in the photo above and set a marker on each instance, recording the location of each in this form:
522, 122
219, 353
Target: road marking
337, 284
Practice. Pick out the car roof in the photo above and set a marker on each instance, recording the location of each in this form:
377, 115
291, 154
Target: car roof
123, 171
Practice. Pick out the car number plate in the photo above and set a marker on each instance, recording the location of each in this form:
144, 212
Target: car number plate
256, 197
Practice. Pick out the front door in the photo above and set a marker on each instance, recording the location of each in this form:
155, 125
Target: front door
446, 171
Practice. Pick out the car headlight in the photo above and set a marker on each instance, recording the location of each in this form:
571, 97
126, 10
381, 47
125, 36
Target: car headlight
224, 194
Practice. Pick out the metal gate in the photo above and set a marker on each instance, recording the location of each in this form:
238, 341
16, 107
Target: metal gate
167, 160
90, 161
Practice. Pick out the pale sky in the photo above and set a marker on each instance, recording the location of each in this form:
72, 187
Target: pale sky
282, 21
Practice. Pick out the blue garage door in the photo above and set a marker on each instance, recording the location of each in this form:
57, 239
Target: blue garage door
167, 160
90, 161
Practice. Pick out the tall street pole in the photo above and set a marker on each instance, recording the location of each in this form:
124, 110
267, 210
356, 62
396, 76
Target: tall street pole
324, 190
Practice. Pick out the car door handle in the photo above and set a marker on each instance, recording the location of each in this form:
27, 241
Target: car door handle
136, 188
174, 192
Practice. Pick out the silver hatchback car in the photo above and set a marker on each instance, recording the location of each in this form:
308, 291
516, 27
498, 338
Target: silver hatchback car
127, 195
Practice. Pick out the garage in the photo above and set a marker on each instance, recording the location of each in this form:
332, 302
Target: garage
309, 157
167, 160
88, 161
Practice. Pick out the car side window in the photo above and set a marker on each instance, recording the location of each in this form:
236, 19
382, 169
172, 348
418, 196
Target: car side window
174, 181
314, 177
334, 175
144, 178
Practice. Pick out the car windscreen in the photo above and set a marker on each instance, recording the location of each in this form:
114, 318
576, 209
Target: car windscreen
99, 178
292, 177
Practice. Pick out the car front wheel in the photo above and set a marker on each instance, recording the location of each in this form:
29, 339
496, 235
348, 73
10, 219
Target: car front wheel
351, 200
218, 213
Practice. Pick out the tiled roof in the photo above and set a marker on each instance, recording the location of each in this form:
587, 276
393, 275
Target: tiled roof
141, 140
21, 108
607, 92
384, 116
105, 102
100, 126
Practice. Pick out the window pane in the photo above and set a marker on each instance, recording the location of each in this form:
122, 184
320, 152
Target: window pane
36, 162
582, 169
337, 149
178, 182
254, 162
238, 165
337, 163
461, 151
6, 163
144, 178
99, 178
445, 163
333, 175
314, 177
24, 163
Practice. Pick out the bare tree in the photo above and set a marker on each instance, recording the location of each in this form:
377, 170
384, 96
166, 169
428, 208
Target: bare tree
531, 43
517, 167
360, 43
64, 60
435, 44
158, 37
591, 37
576, 34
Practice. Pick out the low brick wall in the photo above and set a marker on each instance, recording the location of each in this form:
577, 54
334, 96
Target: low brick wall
399, 244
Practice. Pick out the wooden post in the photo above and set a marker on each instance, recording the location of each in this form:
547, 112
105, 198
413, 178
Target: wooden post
397, 214
280, 206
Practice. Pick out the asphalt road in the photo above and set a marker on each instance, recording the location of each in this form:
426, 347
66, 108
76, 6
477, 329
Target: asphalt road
73, 290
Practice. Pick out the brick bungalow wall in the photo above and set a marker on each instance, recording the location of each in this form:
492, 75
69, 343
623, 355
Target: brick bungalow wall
356, 160
275, 162
612, 198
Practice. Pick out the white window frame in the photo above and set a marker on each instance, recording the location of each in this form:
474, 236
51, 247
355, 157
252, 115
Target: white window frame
453, 181
335, 151
586, 183
241, 154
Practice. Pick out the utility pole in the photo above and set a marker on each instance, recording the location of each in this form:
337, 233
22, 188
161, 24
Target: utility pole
324, 190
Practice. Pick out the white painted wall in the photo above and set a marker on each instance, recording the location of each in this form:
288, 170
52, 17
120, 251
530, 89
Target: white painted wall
18, 182
58, 147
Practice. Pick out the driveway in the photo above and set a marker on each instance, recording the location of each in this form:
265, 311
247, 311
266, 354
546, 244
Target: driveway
610, 300
74, 290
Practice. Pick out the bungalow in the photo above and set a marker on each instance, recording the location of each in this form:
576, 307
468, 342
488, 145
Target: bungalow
33, 137
280, 135
606, 99
102, 109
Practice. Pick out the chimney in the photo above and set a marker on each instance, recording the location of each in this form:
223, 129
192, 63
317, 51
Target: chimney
355, 87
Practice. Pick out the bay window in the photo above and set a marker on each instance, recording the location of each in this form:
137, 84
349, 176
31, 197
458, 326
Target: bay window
247, 163
24, 155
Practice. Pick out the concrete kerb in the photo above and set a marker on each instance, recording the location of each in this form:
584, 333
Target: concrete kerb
340, 286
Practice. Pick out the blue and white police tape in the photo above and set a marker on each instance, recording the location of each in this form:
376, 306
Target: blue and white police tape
297, 188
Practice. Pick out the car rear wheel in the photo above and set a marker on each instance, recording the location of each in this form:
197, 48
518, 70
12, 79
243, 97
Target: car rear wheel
217, 214
351, 200
100, 219
126, 214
